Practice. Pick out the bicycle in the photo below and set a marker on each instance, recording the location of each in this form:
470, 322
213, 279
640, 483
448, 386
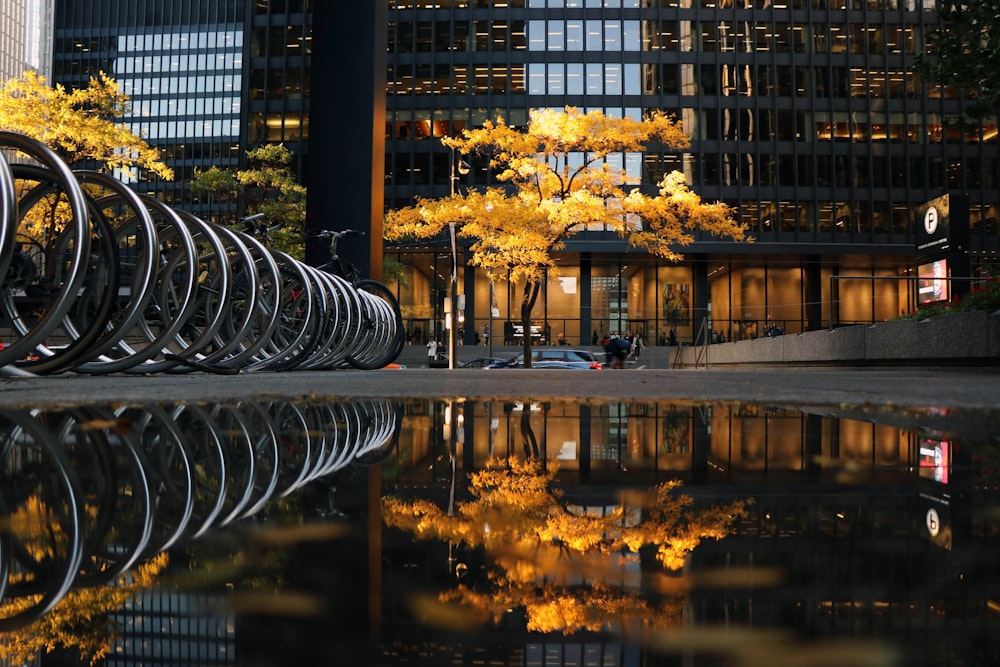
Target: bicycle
381, 319
297, 303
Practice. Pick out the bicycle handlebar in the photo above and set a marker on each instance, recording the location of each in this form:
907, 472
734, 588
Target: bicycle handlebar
333, 234
253, 225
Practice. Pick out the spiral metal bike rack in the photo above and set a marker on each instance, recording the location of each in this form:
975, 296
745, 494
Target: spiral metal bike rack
91, 491
98, 279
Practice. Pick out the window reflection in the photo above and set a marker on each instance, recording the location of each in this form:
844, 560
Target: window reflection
170, 101
579, 35
443, 79
276, 127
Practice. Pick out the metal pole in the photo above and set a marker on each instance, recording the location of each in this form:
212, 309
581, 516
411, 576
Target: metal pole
492, 297
452, 330
454, 272
455, 168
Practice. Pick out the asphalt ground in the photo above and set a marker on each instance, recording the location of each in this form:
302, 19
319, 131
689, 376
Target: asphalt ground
931, 388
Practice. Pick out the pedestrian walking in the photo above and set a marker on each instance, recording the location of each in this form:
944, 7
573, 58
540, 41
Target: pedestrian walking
637, 346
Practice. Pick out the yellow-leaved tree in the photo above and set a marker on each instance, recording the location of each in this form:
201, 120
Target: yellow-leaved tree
83, 620
82, 124
560, 565
557, 180
84, 127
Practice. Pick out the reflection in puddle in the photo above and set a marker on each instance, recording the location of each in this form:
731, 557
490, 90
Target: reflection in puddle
569, 567
500, 532
94, 497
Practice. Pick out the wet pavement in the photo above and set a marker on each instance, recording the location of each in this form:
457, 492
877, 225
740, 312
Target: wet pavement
974, 388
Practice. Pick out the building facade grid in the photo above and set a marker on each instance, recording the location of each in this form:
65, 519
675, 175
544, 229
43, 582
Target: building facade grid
805, 115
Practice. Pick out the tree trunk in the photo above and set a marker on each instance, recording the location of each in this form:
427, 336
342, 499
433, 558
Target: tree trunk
528, 299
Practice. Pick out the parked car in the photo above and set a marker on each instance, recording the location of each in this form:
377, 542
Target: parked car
560, 357
482, 362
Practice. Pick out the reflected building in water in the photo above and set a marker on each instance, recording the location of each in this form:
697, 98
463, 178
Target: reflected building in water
879, 525
859, 524
647, 442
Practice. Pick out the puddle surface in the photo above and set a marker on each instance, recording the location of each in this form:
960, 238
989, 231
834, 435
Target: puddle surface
499, 533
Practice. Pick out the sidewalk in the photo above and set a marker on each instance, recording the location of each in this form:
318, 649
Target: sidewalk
940, 389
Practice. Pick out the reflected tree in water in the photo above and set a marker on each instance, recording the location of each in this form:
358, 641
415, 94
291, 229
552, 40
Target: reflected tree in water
565, 567
83, 619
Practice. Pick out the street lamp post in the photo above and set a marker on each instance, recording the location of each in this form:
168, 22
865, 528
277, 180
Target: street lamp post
492, 297
456, 167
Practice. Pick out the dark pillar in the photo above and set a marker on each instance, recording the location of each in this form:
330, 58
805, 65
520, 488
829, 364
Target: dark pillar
347, 129
814, 447
701, 444
586, 300
586, 415
469, 288
959, 265
468, 409
814, 294
702, 295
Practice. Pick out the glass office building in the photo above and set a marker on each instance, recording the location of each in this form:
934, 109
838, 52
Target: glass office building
13, 38
805, 116
207, 80
25, 37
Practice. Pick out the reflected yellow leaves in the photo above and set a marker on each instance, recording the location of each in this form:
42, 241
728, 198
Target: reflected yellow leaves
82, 620
564, 566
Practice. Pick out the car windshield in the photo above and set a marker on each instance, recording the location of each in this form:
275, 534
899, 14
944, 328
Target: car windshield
545, 355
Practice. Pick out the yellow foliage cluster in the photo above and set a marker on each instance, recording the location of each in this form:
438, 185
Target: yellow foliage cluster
559, 182
80, 124
268, 186
546, 553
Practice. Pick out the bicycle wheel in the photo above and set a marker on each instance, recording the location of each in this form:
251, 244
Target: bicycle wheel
175, 296
299, 320
390, 325
341, 312
252, 330
170, 471
69, 248
115, 496
92, 306
198, 338
136, 249
8, 215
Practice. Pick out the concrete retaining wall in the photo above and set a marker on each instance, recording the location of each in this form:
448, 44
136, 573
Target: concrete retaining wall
958, 338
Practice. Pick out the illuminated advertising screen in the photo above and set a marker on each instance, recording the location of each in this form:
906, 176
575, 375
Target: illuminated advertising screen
933, 459
933, 282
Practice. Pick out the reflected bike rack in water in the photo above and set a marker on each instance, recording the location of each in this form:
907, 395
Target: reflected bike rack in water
91, 491
120, 282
